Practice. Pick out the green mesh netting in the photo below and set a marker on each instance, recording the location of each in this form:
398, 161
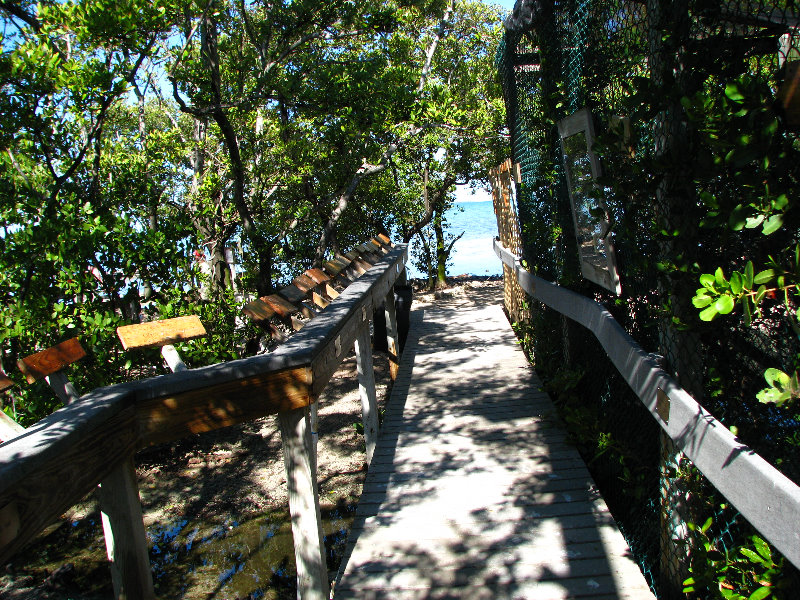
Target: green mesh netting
645, 69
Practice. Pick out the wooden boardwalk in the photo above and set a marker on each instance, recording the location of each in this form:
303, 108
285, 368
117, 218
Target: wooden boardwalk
474, 492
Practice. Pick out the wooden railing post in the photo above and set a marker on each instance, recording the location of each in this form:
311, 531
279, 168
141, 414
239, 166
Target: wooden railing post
313, 424
301, 481
123, 527
366, 388
392, 338
173, 358
62, 387
117, 494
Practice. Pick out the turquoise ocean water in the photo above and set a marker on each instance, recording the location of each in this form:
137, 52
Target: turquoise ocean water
472, 254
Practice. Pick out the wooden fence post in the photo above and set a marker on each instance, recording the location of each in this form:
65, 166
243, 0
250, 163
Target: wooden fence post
173, 359
366, 388
123, 527
301, 481
392, 338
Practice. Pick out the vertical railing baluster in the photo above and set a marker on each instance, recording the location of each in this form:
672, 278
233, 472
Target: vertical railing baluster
366, 388
301, 481
392, 338
123, 528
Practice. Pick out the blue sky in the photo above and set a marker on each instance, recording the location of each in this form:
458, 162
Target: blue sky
507, 4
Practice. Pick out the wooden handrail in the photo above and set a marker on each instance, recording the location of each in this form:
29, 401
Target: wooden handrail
761, 493
60, 459
299, 369
74, 448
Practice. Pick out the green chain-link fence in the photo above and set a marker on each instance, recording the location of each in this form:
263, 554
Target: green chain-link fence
696, 141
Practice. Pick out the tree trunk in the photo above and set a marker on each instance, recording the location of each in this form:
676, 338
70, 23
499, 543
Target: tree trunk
264, 284
441, 253
259, 244
152, 203
220, 273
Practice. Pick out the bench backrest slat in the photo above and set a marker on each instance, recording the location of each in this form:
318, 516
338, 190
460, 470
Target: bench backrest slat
5, 381
40, 365
160, 333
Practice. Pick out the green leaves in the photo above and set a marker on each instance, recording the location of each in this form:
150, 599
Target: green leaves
717, 296
724, 305
770, 217
747, 164
781, 388
772, 224
733, 92
746, 572
720, 296
738, 218
762, 592
764, 276
709, 313
737, 282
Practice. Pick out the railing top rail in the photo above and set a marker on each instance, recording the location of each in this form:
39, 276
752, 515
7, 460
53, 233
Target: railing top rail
298, 351
33, 448
762, 494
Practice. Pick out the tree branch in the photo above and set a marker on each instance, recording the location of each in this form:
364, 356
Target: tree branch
439, 33
189, 36
22, 15
430, 208
365, 170
91, 135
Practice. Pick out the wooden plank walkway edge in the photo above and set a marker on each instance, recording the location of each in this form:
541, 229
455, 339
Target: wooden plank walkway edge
474, 491
764, 496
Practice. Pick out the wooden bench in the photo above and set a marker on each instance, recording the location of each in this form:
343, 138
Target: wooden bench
312, 291
49, 365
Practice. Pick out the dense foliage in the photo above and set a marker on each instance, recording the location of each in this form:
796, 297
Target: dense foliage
146, 145
699, 153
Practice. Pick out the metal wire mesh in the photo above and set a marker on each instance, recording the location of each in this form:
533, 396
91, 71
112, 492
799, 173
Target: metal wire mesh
640, 66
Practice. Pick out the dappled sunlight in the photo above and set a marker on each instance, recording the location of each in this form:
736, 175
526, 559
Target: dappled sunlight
474, 490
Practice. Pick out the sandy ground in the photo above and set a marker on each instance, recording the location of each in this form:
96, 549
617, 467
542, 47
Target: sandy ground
236, 473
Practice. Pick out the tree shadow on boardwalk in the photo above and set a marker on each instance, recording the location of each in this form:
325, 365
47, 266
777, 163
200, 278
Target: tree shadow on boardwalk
474, 491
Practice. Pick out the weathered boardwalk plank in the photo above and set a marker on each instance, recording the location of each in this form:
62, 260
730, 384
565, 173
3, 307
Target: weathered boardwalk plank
474, 491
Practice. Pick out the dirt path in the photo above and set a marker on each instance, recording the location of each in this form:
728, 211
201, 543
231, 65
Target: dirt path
225, 491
